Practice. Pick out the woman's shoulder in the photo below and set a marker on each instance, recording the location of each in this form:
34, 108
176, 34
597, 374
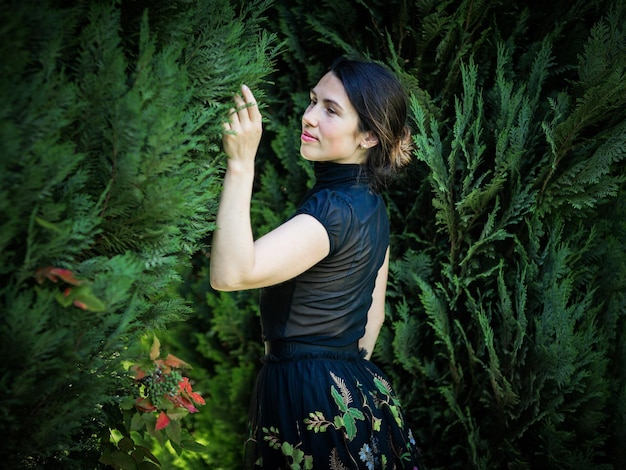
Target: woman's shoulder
342, 205
325, 201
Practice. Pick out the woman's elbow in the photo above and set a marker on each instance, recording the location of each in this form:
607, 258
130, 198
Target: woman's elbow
229, 283
221, 277
220, 283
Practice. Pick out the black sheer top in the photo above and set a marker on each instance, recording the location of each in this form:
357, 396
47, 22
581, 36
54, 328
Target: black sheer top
328, 304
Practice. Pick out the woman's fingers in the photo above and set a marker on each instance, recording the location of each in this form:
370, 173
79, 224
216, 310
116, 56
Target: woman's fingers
242, 132
246, 106
253, 109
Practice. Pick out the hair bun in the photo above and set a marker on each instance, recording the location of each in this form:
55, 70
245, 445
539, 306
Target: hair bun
401, 154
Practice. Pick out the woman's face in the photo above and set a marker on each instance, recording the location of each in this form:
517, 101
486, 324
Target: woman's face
330, 125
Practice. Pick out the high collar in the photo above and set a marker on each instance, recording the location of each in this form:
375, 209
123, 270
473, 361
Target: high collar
330, 173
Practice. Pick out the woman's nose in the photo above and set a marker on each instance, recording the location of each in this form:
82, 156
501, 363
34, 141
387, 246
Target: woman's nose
309, 118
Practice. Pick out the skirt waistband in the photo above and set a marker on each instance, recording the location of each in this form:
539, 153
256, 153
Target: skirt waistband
293, 349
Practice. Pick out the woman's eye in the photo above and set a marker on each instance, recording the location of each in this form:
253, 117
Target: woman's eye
331, 111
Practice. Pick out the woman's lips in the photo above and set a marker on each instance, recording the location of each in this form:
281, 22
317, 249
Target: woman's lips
306, 137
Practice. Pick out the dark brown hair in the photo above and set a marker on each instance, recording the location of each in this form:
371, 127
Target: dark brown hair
381, 103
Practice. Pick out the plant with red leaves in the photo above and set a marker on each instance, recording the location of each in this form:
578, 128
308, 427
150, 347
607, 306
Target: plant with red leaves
165, 397
78, 293
164, 389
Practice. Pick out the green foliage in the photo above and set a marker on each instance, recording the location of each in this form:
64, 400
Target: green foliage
507, 291
599, 94
110, 131
515, 351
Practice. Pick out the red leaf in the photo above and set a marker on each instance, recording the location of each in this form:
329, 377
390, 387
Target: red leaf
54, 274
184, 385
197, 398
187, 404
66, 275
175, 362
79, 304
182, 402
145, 405
162, 421
185, 389
139, 372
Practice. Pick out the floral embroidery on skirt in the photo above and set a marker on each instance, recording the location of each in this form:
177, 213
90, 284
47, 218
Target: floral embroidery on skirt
324, 412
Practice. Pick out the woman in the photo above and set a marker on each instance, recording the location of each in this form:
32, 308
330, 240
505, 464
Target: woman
319, 402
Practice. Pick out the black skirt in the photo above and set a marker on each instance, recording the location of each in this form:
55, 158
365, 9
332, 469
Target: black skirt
326, 408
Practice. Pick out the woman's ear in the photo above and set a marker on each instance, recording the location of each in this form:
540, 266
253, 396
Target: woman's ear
370, 140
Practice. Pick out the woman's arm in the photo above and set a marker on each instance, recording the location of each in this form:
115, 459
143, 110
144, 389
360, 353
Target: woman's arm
376, 314
237, 261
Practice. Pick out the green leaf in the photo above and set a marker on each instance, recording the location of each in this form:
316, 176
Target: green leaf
49, 225
123, 461
177, 448
298, 455
192, 446
350, 426
376, 424
146, 465
81, 297
287, 449
126, 444
381, 386
84, 298
64, 300
396, 414
173, 432
138, 455
177, 413
136, 423
356, 413
127, 403
150, 420
343, 406
148, 453
106, 457
338, 421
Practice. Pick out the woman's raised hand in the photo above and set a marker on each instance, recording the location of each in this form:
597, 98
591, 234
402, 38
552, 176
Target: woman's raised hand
242, 133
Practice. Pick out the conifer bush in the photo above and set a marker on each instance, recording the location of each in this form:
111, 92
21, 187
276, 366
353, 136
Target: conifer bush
110, 136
